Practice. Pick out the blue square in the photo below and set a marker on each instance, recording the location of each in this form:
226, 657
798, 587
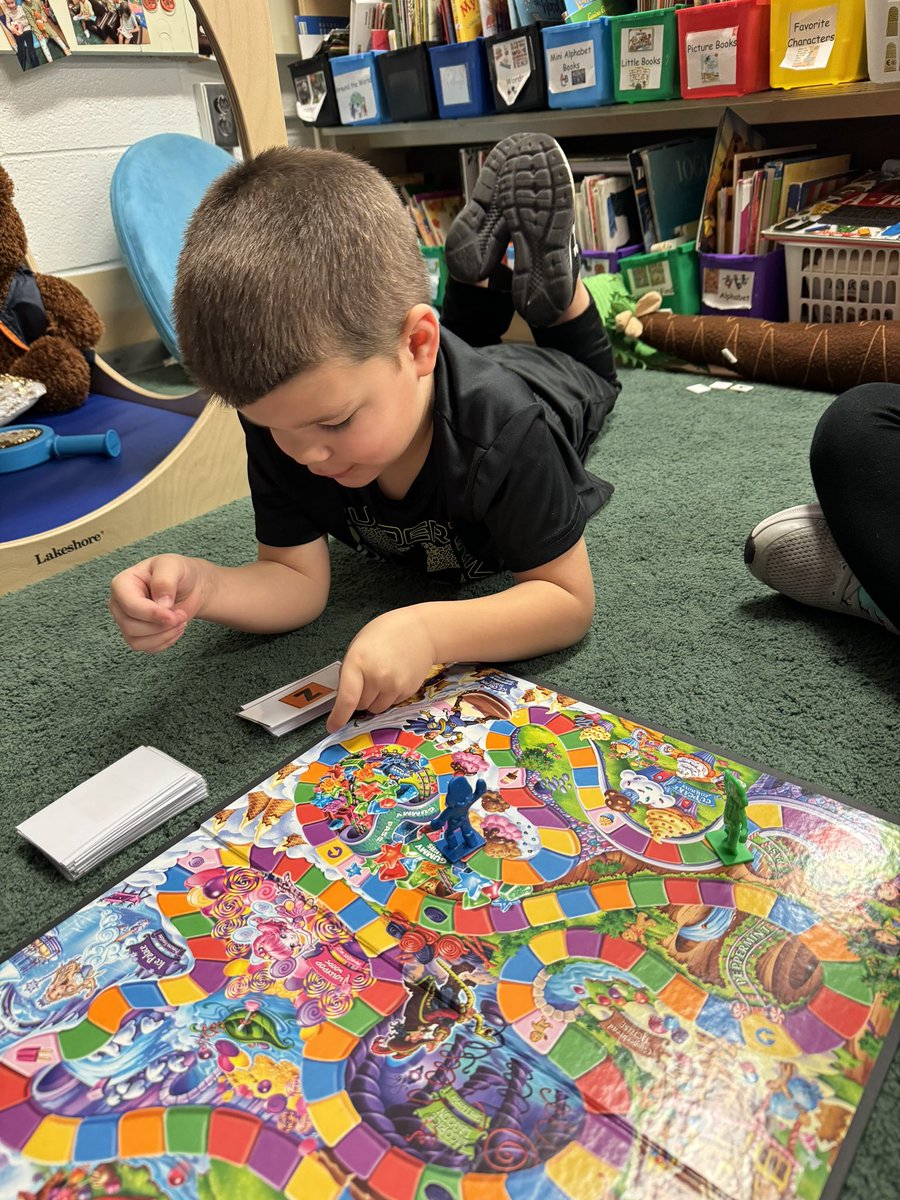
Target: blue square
97, 1139
577, 902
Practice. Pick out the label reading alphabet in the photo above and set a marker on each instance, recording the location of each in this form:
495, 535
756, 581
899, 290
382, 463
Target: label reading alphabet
727, 289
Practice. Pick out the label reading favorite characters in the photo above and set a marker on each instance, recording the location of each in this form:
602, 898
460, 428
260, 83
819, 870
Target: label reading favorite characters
811, 35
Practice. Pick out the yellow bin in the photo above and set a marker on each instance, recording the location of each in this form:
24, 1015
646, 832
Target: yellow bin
812, 43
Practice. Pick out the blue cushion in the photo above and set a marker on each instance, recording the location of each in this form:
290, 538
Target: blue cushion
157, 184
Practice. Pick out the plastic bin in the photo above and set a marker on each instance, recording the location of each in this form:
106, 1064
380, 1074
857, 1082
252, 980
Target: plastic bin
516, 66
358, 89
675, 274
578, 63
462, 82
314, 87
723, 49
834, 284
407, 84
811, 44
744, 285
436, 262
605, 262
883, 40
645, 56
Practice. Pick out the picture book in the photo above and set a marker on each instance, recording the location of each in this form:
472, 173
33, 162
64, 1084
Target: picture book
813, 167
466, 19
642, 199
866, 210
478, 947
733, 136
605, 213
804, 195
676, 175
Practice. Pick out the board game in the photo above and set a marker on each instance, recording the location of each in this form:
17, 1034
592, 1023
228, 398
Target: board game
304, 998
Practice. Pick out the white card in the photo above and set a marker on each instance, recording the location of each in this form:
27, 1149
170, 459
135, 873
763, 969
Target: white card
295, 704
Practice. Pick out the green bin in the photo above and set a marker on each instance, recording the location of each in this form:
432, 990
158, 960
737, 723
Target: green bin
645, 56
675, 274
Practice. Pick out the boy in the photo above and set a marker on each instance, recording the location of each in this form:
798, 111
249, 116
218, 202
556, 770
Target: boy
302, 300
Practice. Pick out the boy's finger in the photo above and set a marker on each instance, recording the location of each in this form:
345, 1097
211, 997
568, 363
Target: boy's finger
130, 600
349, 691
165, 579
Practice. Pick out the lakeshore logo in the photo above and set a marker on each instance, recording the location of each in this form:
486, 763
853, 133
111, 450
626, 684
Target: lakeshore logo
59, 551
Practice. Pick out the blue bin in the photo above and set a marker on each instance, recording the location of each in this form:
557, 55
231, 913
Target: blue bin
462, 83
578, 62
358, 89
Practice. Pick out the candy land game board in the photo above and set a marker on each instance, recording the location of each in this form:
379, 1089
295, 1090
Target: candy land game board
304, 998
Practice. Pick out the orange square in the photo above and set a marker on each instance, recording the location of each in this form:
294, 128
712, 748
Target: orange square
683, 996
306, 695
108, 1009
614, 894
142, 1132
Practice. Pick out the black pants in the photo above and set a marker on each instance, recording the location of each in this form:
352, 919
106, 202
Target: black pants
855, 461
570, 369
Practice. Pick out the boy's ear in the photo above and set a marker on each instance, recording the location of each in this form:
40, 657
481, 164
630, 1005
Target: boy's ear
421, 337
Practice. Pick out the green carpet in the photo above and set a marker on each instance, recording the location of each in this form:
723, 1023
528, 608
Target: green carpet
683, 638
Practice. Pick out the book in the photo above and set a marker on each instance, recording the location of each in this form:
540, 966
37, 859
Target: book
814, 167
803, 195
642, 199
733, 136
865, 211
676, 174
466, 20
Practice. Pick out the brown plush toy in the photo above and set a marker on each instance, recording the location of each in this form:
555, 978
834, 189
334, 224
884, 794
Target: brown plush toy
46, 324
827, 358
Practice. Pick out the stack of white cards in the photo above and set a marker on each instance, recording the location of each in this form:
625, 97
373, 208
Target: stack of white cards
114, 807
295, 704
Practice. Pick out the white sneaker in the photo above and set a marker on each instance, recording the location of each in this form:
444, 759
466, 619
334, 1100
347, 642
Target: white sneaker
794, 553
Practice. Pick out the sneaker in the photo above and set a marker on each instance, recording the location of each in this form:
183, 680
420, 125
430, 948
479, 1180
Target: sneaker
794, 553
525, 193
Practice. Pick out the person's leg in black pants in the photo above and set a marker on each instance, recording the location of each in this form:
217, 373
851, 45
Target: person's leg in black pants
843, 553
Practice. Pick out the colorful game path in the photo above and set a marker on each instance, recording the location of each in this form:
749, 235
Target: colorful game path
304, 998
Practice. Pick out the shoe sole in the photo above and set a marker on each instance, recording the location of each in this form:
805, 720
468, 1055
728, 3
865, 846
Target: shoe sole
538, 197
525, 193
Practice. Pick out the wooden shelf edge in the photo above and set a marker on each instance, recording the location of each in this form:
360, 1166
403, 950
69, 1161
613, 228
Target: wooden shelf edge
845, 101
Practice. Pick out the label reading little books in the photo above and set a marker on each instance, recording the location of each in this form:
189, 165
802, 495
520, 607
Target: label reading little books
640, 58
512, 67
570, 68
727, 289
355, 96
811, 35
712, 57
455, 85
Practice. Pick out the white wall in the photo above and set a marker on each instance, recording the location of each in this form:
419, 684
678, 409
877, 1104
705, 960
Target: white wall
63, 128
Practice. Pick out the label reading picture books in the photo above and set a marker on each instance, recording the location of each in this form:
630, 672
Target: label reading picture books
356, 96
712, 57
512, 67
640, 56
727, 289
455, 85
311, 90
811, 35
571, 68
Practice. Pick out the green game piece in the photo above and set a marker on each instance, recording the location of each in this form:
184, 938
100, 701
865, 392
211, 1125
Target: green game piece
730, 842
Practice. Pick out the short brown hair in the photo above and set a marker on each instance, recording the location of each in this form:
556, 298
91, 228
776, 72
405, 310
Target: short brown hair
294, 258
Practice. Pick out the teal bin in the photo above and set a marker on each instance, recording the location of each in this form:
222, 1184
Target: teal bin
645, 56
357, 85
578, 64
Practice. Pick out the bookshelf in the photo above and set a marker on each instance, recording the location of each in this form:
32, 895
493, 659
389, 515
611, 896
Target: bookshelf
878, 104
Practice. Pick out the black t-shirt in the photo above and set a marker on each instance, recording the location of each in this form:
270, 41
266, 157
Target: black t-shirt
501, 487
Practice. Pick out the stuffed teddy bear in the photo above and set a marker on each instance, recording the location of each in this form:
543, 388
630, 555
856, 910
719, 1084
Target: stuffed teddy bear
46, 324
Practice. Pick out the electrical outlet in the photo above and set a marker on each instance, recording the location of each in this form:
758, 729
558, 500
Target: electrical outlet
216, 118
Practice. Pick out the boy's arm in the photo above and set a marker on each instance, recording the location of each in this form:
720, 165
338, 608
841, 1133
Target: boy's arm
153, 601
285, 588
549, 608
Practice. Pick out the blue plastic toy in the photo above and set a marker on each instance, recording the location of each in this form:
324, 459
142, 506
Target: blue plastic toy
24, 446
459, 838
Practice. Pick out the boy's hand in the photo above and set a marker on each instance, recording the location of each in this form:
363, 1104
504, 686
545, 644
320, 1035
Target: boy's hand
386, 662
153, 601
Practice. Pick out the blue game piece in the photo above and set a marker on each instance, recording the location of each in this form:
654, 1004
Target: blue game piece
459, 839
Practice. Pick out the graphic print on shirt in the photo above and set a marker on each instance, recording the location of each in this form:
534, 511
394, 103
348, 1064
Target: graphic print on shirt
430, 545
